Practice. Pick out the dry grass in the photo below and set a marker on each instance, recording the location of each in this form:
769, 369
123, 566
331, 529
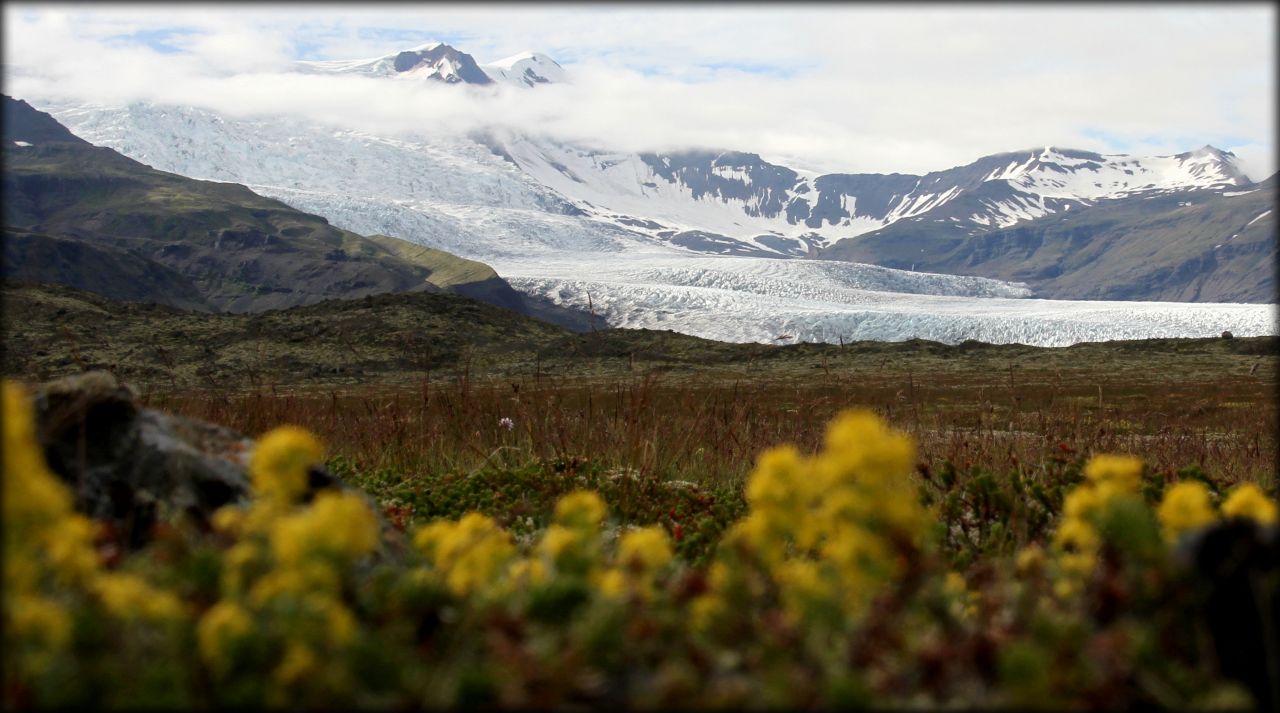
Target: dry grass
710, 430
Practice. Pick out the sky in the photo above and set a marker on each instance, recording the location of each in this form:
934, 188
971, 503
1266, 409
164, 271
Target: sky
906, 88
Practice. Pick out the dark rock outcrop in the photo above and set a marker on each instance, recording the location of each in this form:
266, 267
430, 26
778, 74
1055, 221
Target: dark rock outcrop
133, 466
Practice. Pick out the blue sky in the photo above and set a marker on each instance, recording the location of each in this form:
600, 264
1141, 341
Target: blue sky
829, 87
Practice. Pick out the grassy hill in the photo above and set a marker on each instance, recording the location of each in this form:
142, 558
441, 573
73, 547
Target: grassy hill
90, 218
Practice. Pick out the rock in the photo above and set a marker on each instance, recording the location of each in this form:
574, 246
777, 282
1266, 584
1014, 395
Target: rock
1228, 335
131, 466
1236, 593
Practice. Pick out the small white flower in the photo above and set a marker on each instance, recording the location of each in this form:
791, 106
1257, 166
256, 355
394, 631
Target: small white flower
506, 423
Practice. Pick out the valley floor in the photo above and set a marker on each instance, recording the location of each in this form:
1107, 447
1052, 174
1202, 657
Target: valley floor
582, 519
649, 400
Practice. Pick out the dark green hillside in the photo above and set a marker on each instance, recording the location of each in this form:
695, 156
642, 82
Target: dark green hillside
1192, 247
149, 236
105, 270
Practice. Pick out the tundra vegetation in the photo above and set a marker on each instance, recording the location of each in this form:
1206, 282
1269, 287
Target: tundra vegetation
646, 520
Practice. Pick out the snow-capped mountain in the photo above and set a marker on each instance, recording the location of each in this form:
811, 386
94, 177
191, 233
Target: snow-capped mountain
738, 203
735, 203
685, 240
526, 69
434, 60
442, 63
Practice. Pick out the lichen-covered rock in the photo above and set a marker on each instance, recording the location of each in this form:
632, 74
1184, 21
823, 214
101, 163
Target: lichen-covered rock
130, 465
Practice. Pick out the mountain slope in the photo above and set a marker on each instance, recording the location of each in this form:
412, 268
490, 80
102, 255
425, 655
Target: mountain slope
1191, 246
741, 204
527, 69
111, 272
155, 236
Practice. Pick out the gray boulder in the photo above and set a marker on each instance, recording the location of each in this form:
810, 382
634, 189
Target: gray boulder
131, 466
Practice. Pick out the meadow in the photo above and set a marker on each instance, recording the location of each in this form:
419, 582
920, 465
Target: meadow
640, 520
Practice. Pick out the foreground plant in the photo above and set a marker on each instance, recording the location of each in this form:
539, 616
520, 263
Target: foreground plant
839, 586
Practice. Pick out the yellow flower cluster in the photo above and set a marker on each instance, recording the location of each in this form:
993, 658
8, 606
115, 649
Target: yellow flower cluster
1187, 506
1249, 502
469, 554
49, 558
285, 571
641, 554
834, 526
474, 557
1077, 540
278, 467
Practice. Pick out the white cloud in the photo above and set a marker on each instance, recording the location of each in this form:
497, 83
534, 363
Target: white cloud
831, 88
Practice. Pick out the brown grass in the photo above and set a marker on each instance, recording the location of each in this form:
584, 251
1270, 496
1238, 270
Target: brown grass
711, 429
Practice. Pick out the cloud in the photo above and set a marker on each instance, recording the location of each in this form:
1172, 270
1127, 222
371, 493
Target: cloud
829, 88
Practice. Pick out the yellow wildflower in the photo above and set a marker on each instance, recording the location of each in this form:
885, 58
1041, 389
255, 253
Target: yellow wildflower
236, 565
1079, 564
39, 620
801, 584
29, 487
69, 546
1075, 535
613, 583
1081, 503
299, 662
39, 517
336, 524
864, 446
428, 537
856, 550
225, 623
1185, 506
469, 553
229, 520
704, 609
340, 623
527, 571
773, 482
295, 580
648, 547
128, 596
1078, 545
580, 509
1066, 588
278, 467
1030, 559
1124, 472
557, 540
1248, 501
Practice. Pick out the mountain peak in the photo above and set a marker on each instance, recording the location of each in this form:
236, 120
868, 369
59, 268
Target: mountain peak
426, 46
1211, 150
526, 69
440, 62
435, 61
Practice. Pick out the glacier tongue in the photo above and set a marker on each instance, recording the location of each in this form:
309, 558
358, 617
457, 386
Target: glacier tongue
745, 312
457, 195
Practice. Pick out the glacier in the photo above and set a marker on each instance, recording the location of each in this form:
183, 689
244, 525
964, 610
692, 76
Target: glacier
565, 240
788, 301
